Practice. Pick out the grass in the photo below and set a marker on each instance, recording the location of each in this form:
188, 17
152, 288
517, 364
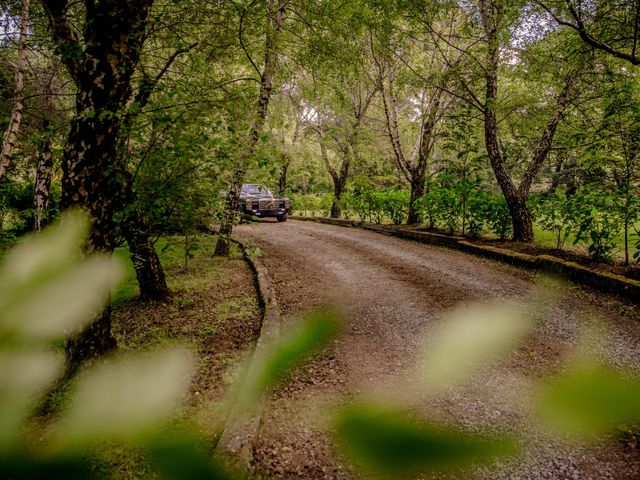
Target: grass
213, 311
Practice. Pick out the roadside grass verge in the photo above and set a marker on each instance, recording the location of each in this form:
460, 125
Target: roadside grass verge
213, 311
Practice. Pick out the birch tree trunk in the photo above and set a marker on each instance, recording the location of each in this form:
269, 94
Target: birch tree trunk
275, 24
44, 168
101, 66
10, 136
44, 165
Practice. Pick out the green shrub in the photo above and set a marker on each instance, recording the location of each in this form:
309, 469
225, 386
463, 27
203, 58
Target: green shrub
597, 222
498, 216
555, 214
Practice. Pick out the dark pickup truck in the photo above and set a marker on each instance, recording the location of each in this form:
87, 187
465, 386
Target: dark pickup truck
257, 201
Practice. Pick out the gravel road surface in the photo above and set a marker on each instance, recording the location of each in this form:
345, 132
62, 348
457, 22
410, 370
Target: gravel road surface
393, 293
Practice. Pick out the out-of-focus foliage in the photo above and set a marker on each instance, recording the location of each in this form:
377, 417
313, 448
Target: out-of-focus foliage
468, 339
589, 400
396, 443
125, 400
276, 360
586, 401
49, 291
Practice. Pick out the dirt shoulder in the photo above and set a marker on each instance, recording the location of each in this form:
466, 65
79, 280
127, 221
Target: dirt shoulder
213, 310
392, 293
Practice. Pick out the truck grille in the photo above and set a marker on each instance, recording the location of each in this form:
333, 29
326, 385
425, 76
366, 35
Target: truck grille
268, 204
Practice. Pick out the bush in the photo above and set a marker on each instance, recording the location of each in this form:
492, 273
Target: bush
311, 204
597, 221
377, 206
555, 214
498, 216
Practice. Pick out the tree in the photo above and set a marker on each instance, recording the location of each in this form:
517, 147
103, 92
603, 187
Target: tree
611, 27
342, 127
494, 21
101, 64
10, 136
276, 16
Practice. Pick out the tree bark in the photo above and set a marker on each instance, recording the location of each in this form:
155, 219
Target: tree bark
149, 272
44, 165
417, 191
10, 136
284, 168
44, 168
101, 66
491, 13
275, 24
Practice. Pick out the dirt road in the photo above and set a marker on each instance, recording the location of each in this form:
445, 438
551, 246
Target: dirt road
393, 292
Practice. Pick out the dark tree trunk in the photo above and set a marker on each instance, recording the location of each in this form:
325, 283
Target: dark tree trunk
41, 196
223, 245
96, 339
336, 211
492, 13
101, 66
149, 271
282, 180
417, 191
521, 219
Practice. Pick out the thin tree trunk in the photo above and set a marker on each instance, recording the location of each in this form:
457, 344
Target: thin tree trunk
44, 168
275, 25
282, 180
338, 190
10, 136
417, 191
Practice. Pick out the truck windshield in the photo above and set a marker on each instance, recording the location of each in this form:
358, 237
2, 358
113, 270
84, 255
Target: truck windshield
255, 191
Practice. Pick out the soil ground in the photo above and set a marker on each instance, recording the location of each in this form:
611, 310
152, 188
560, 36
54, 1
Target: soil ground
392, 293
213, 310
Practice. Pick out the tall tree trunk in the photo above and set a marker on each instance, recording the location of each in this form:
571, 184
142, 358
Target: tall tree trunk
275, 24
44, 168
10, 135
101, 66
491, 12
338, 190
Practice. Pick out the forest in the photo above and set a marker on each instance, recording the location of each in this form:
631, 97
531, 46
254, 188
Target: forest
130, 126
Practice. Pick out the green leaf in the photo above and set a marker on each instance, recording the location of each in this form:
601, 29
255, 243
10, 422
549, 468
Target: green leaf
125, 397
395, 443
288, 352
46, 290
182, 458
66, 301
24, 376
589, 400
469, 339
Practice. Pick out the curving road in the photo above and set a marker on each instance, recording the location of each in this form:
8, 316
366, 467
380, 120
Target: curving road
393, 292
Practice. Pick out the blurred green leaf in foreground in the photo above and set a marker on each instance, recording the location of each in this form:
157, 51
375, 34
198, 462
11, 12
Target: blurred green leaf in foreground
48, 290
395, 443
589, 400
281, 356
